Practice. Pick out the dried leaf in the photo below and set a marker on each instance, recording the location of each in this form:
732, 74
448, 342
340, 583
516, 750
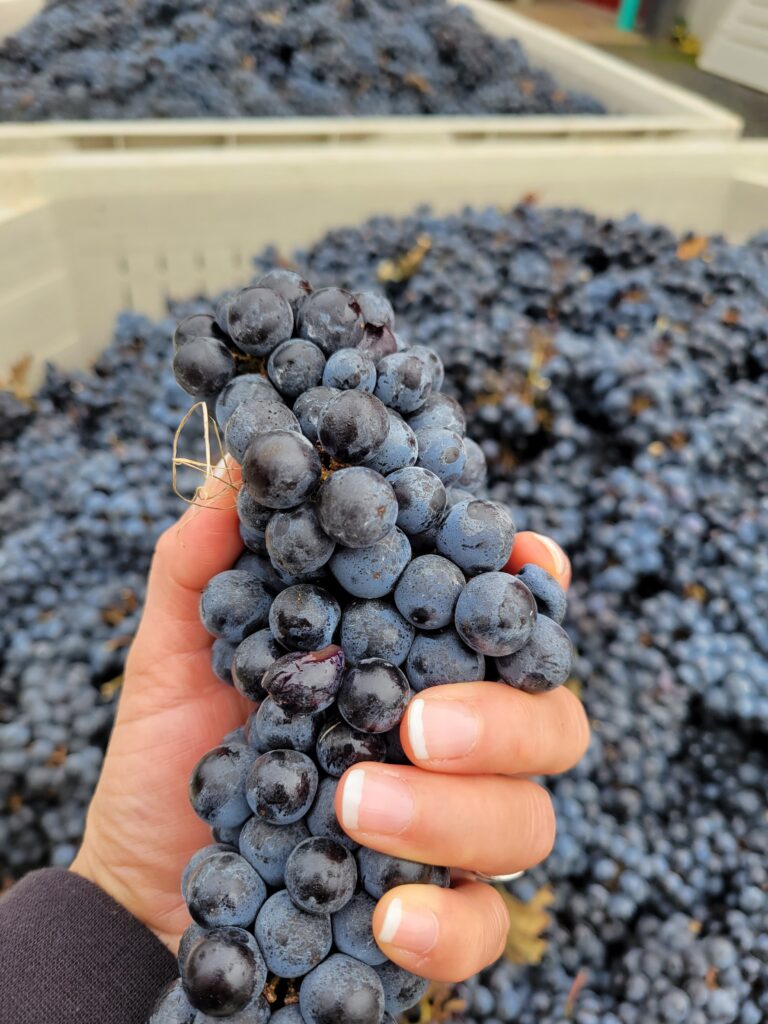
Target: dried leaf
527, 921
110, 688
575, 686
404, 267
58, 757
275, 18
693, 247
439, 1004
17, 381
417, 82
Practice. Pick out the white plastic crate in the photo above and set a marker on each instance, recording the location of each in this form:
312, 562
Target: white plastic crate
640, 105
84, 236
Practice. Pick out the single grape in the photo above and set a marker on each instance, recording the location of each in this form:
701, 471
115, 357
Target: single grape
475, 468
288, 1015
224, 890
277, 730
400, 447
190, 937
433, 363
229, 835
252, 419
322, 820
224, 971
332, 319
233, 605
308, 407
372, 571
349, 369
250, 512
288, 283
295, 366
281, 469
203, 366
428, 590
455, 494
267, 847
198, 325
304, 617
379, 872
281, 786
441, 657
395, 752
217, 785
292, 941
173, 1007
340, 746
236, 736
373, 696
305, 683
259, 566
441, 877
477, 536
342, 991
253, 540
378, 342
353, 930
197, 859
375, 629
550, 596
321, 875
257, 1011
442, 451
440, 412
376, 309
222, 656
421, 498
495, 614
296, 542
402, 990
353, 426
357, 507
404, 382
258, 319
544, 663
245, 388
252, 659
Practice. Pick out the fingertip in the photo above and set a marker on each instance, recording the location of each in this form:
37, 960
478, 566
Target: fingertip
543, 551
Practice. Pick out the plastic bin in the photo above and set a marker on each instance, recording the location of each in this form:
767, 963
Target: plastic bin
83, 236
640, 105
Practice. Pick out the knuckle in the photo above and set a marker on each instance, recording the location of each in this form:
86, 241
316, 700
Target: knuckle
541, 824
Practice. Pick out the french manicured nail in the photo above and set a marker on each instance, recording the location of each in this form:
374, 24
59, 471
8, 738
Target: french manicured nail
376, 802
412, 929
442, 730
219, 474
557, 553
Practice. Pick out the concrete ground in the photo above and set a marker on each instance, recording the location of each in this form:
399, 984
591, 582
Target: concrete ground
597, 26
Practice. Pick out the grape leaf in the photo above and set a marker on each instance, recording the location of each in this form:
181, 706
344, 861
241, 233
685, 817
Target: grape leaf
527, 921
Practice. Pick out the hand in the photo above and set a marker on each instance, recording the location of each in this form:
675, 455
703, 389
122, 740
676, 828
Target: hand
141, 830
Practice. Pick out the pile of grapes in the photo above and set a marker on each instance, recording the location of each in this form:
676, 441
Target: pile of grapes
359, 512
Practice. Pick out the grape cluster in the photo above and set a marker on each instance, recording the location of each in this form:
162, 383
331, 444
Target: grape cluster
223, 58
360, 522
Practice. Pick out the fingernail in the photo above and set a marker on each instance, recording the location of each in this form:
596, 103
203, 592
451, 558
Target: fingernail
213, 481
442, 730
374, 802
558, 555
412, 929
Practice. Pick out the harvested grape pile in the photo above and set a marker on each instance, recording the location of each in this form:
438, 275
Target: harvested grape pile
615, 375
360, 513
268, 58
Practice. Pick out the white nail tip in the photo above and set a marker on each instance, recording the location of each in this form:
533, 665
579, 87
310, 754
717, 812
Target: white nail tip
416, 730
351, 799
392, 919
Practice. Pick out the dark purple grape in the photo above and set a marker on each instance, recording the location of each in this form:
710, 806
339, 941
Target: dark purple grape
475, 468
353, 930
400, 447
295, 366
304, 617
477, 536
375, 629
421, 499
233, 605
428, 590
288, 283
342, 991
197, 859
340, 746
245, 388
292, 941
332, 319
258, 319
222, 656
373, 696
404, 382
198, 325
441, 657
433, 363
322, 820
377, 342
379, 872
353, 426
376, 309
281, 786
304, 683
442, 451
252, 419
277, 730
252, 659
550, 596
320, 875
544, 663
173, 1007
402, 990
357, 507
296, 542
281, 469
495, 614
349, 369
224, 971
440, 412
203, 366
372, 571
217, 785
223, 891
308, 407
267, 847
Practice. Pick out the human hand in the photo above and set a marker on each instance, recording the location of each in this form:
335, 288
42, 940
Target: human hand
141, 830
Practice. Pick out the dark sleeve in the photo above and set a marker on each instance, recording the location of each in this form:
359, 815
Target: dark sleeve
70, 955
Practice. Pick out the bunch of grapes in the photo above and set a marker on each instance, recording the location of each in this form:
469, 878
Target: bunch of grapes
372, 571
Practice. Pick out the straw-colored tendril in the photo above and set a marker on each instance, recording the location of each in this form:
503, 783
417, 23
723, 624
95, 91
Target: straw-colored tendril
212, 468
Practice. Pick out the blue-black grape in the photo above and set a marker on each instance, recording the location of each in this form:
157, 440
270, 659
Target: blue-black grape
321, 875
257, 1011
258, 319
373, 696
440, 412
224, 890
294, 366
277, 730
197, 859
288, 1015
404, 382
281, 469
399, 448
357, 507
222, 656
288, 283
233, 605
477, 536
281, 786
296, 542
441, 657
402, 989
353, 426
427, 591
375, 629
372, 571
252, 659
224, 971
304, 683
342, 991
217, 786
304, 617
339, 746
379, 872
198, 325
203, 366
251, 419
495, 614
543, 663
247, 387
322, 820
353, 930
308, 407
376, 309
267, 847
441, 451
550, 596
433, 363
332, 319
350, 369
293, 942
475, 467
173, 1007
421, 498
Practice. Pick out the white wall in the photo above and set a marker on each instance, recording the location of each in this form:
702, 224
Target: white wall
703, 15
